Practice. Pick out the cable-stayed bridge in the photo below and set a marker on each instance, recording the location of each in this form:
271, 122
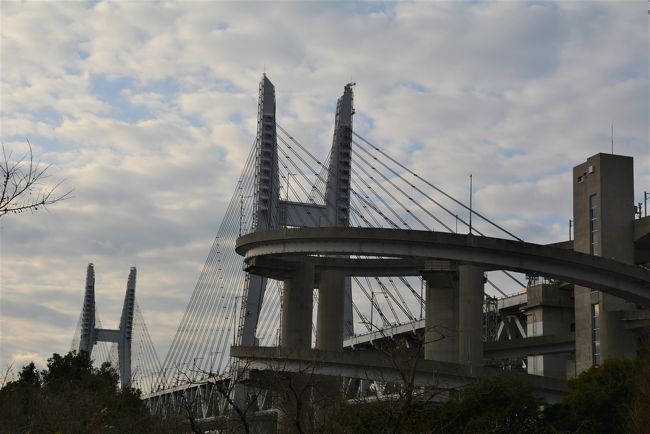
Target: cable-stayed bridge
284, 185
385, 247
128, 348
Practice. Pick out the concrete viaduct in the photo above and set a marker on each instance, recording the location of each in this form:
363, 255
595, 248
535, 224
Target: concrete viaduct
306, 257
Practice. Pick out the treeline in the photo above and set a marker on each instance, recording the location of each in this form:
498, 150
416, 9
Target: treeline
611, 399
71, 396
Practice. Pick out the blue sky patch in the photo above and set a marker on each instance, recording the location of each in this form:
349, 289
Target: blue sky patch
111, 91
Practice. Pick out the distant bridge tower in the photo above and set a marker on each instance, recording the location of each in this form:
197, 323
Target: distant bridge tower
271, 212
90, 334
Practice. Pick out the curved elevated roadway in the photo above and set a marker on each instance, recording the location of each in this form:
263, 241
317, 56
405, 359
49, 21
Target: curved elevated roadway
412, 248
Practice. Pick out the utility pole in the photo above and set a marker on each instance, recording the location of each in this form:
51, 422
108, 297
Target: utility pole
570, 227
470, 203
372, 305
422, 285
241, 208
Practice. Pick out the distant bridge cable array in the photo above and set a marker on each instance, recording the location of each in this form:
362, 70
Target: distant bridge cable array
204, 333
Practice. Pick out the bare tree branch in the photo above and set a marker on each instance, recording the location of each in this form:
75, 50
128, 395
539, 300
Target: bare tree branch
23, 188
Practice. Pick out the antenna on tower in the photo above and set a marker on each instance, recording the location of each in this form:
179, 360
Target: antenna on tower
612, 138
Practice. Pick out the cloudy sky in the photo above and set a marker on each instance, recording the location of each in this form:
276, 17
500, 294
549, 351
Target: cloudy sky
147, 110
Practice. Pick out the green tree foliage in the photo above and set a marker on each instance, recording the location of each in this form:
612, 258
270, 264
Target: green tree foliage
71, 396
601, 399
502, 404
612, 398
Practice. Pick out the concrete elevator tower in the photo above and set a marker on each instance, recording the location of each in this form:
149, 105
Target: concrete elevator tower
603, 215
90, 334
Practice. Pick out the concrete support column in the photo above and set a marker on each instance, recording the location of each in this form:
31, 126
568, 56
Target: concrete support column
297, 305
470, 315
615, 341
329, 337
441, 318
329, 320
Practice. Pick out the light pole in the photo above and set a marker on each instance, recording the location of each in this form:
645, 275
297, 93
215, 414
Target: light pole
372, 305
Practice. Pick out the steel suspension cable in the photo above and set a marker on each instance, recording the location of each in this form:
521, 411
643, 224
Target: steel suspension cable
436, 188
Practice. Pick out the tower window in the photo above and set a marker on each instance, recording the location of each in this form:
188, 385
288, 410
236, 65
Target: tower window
595, 333
594, 232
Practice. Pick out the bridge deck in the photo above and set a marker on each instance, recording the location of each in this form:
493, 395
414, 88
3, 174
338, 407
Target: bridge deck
626, 281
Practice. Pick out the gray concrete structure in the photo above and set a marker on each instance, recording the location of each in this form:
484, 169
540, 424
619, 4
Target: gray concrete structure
452, 264
441, 312
549, 312
265, 214
297, 305
285, 246
271, 212
329, 322
603, 215
470, 315
382, 366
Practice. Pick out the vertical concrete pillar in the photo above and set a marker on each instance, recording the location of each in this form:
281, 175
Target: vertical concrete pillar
616, 342
329, 337
297, 305
470, 315
329, 318
441, 318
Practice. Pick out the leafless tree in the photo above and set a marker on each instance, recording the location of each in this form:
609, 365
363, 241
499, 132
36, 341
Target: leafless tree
8, 374
23, 187
239, 414
395, 395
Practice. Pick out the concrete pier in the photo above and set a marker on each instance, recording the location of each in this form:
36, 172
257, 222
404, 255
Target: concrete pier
329, 319
470, 315
297, 305
441, 317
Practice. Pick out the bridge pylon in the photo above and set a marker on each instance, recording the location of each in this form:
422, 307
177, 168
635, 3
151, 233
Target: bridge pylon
91, 334
271, 212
